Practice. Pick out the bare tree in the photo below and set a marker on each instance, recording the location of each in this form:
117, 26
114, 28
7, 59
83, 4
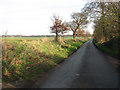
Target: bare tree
58, 27
79, 21
106, 13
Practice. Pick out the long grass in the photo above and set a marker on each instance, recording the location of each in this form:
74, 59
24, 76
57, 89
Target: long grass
23, 59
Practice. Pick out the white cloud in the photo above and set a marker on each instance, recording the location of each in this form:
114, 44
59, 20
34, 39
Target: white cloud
28, 17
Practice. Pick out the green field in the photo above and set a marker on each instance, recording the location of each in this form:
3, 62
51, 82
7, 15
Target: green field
24, 58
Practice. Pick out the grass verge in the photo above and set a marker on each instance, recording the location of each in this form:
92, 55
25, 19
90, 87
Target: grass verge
23, 59
108, 48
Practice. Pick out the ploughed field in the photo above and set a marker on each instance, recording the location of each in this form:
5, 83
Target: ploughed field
24, 58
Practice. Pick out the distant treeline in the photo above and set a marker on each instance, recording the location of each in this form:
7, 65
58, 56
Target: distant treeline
35, 36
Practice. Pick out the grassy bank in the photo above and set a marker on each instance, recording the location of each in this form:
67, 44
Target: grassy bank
108, 47
23, 59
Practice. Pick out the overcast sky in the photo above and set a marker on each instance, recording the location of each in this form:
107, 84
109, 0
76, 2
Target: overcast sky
33, 17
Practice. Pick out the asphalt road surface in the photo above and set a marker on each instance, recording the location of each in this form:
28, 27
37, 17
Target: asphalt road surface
86, 68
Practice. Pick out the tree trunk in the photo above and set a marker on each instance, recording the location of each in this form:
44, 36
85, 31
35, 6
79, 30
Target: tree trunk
103, 16
56, 38
74, 35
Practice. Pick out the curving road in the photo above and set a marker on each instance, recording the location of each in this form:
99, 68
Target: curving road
86, 68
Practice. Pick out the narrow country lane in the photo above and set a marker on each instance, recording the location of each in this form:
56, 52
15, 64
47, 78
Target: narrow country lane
86, 68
